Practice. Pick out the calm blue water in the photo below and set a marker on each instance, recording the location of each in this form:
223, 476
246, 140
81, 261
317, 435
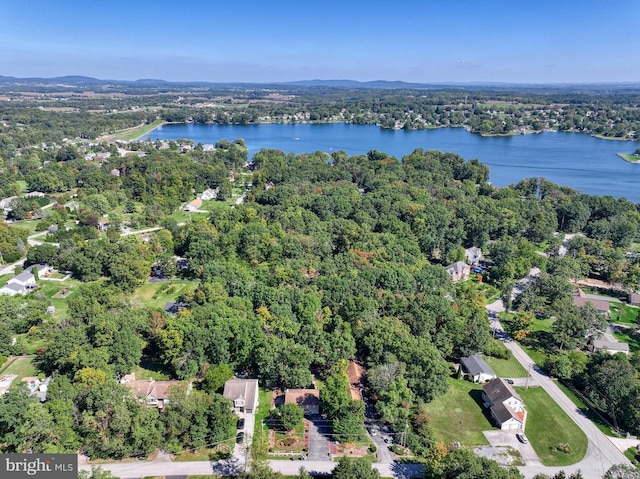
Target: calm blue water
577, 160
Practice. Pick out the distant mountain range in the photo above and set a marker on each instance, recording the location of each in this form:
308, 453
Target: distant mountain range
85, 81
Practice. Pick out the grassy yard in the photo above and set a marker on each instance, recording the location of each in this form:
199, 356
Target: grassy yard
4, 279
623, 314
51, 288
155, 295
22, 367
506, 368
260, 433
459, 415
549, 430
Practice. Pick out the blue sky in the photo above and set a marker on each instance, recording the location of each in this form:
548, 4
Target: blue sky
426, 41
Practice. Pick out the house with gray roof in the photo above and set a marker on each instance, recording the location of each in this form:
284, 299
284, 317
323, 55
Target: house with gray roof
243, 393
473, 255
458, 271
506, 407
477, 369
611, 347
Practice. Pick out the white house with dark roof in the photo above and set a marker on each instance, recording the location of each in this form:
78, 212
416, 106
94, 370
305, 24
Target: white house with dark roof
507, 408
243, 393
477, 369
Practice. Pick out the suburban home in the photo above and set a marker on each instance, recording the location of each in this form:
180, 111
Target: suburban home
356, 374
151, 392
507, 408
24, 282
473, 255
5, 204
580, 298
459, 270
611, 347
5, 382
307, 399
193, 205
634, 299
243, 393
477, 369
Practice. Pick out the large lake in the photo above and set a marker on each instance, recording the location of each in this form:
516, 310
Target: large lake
578, 160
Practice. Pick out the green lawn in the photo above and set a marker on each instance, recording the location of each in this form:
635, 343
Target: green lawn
549, 429
459, 415
22, 367
51, 288
4, 279
630, 158
623, 314
537, 355
506, 368
29, 225
155, 295
260, 432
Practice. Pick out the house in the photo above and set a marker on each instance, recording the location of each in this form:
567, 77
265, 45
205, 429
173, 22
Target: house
634, 299
580, 298
22, 283
171, 307
477, 369
611, 347
506, 407
209, 194
193, 205
52, 228
473, 255
32, 382
307, 399
5, 204
355, 373
243, 393
5, 382
151, 392
458, 271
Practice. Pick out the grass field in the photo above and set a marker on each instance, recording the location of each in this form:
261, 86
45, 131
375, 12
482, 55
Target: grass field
260, 433
459, 415
22, 367
621, 313
4, 279
549, 429
155, 295
633, 340
50, 288
506, 368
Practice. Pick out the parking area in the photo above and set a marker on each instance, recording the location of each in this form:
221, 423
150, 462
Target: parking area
502, 439
241, 447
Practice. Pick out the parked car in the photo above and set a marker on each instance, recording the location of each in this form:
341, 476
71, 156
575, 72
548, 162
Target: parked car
510, 381
241, 423
522, 438
240, 437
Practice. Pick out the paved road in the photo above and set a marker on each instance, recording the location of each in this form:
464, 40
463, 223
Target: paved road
318, 439
139, 470
601, 451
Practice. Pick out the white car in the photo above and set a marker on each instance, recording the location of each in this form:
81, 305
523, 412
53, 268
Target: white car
522, 438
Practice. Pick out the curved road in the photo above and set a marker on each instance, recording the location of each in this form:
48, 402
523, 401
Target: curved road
601, 452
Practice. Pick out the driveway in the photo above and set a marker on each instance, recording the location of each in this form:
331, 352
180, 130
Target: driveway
501, 439
319, 431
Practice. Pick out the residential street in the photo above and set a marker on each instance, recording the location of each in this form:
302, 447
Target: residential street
601, 451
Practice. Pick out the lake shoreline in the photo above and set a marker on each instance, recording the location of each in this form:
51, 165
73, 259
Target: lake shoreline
634, 159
